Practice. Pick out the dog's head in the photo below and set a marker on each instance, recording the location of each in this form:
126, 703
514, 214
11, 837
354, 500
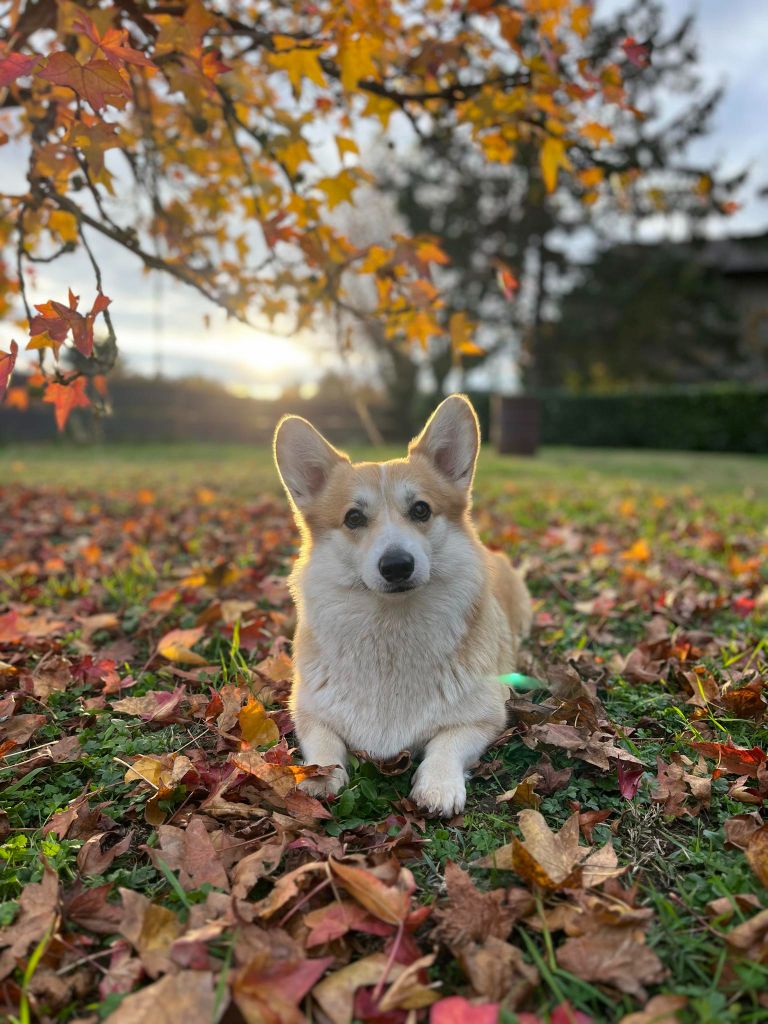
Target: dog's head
388, 527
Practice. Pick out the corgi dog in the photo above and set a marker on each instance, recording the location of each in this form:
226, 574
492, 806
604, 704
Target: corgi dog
404, 618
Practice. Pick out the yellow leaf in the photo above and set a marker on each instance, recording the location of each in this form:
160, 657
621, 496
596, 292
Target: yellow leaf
580, 19
256, 728
44, 340
381, 108
338, 189
389, 903
64, 225
552, 157
639, 552
299, 63
294, 154
376, 258
175, 646
461, 336
355, 59
429, 251
345, 145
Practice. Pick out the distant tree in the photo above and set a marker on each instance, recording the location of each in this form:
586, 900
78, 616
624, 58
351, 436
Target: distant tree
641, 315
501, 224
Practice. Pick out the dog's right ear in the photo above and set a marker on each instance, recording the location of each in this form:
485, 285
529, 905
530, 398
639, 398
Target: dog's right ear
304, 459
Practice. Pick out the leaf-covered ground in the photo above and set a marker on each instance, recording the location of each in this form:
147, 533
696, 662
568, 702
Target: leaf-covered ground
158, 861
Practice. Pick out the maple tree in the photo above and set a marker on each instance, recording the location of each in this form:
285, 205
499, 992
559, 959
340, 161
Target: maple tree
238, 130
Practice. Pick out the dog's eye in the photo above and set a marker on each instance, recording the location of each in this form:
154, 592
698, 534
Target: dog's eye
420, 511
354, 518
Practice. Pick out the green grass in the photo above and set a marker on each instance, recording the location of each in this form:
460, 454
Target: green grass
676, 502
244, 469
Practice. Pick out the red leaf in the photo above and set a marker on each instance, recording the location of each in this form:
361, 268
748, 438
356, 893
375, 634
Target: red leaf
733, 760
7, 363
743, 606
14, 65
629, 779
457, 1010
58, 320
637, 53
112, 44
508, 283
97, 82
65, 398
565, 1014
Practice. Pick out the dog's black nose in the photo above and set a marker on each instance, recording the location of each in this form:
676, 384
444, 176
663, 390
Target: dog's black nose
396, 566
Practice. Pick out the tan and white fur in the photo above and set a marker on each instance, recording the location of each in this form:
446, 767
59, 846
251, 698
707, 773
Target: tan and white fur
406, 662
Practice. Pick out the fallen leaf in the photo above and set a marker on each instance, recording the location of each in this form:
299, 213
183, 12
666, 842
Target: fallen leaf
612, 956
457, 1010
188, 996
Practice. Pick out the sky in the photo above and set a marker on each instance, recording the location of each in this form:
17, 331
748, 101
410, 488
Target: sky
162, 326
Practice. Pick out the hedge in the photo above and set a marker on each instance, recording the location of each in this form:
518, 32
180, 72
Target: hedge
722, 418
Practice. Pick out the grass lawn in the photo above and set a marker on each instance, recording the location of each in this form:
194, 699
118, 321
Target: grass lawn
150, 832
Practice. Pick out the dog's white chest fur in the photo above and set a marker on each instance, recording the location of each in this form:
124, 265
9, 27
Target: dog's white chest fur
387, 679
388, 673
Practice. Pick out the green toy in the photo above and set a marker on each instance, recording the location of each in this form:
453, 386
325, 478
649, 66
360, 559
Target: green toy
517, 681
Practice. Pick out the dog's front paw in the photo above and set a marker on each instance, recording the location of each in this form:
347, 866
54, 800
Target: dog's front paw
326, 785
443, 794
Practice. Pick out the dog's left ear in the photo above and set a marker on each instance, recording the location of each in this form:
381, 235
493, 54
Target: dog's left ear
451, 440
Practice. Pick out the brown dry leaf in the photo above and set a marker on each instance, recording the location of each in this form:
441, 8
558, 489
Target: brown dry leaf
150, 929
100, 850
175, 646
612, 956
90, 908
751, 937
740, 828
335, 995
600, 866
524, 793
407, 992
155, 706
188, 996
278, 668
389, 903
256, 865
676, 787
546, 858
61, 822
469, 915
497, 971
53, 675
286, 887
659, 1010
724, 907
552, 779
336, 919
190, 852
757, 853
20, 728
267, 990
37, 911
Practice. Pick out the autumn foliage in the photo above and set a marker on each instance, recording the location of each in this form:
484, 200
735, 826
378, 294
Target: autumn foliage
239, 127
159, 860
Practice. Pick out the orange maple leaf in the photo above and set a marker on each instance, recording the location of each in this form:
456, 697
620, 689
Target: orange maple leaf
57, 320
65, 398
7, 363
112, 44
